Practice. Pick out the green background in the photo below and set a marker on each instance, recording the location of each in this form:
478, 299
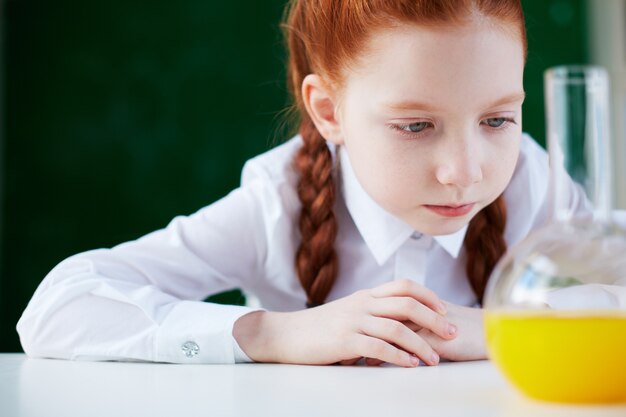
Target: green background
119, 115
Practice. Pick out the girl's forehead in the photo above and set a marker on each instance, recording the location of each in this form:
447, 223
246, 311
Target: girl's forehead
436, 43
477, 60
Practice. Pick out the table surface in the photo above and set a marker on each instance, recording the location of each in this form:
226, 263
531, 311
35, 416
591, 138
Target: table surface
51, 388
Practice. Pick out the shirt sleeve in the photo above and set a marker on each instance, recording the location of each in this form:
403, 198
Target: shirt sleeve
142, 300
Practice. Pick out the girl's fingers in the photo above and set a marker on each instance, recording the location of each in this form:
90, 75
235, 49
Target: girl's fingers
407, 308
349, 362
373, 347
394, 332
412, 326
373, 362
408, 288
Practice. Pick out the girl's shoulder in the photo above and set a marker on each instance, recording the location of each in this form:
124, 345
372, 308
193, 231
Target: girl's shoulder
271, 179
275, 165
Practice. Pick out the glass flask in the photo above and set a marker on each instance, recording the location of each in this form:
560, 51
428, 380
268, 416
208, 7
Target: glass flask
555, 304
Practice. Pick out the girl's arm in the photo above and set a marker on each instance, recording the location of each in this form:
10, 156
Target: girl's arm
142, 300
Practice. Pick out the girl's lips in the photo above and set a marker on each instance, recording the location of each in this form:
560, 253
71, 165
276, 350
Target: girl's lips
451, 211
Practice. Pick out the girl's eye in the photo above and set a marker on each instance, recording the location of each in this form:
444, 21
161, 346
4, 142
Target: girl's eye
496, 121
416, 127
411, 130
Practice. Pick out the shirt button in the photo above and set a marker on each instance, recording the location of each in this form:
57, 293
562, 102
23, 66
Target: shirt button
190, 349
417, 235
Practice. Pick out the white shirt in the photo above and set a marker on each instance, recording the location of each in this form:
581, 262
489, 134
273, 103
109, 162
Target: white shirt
142, 300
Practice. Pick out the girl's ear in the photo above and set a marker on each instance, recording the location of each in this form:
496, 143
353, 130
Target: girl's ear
322, 108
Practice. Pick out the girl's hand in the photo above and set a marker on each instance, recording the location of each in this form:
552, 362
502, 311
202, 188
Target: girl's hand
470, 341
368, 323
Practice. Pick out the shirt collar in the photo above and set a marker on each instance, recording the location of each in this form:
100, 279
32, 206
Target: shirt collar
383, 232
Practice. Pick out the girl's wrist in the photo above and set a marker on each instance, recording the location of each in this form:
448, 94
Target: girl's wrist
256, 334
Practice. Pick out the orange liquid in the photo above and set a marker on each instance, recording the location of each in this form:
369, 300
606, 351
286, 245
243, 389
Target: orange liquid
576, 357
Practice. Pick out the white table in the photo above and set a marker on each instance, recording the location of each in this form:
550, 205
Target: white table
55, 388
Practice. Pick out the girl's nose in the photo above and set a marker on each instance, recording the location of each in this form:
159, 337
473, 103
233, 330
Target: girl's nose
460, 166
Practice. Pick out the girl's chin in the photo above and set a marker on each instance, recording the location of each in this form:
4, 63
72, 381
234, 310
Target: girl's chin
441, 226
441, 231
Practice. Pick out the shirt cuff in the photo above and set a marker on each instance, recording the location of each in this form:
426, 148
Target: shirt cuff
199, 332
240, 355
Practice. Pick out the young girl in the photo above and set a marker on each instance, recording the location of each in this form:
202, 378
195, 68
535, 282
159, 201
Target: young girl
407, 182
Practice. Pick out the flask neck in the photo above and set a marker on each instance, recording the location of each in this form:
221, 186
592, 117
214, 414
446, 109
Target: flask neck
577, 112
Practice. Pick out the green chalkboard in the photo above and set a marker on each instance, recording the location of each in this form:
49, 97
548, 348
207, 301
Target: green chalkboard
120, 115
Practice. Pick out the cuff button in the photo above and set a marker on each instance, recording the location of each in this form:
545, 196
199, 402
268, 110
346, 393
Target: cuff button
190, 349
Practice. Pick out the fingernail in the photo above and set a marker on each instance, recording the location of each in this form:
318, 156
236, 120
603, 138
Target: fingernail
451, 329
442, 308
414, 361
434, 358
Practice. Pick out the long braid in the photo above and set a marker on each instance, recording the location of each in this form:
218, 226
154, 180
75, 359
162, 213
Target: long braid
485, 244
316, 260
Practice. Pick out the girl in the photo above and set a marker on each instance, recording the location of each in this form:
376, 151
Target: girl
409, 178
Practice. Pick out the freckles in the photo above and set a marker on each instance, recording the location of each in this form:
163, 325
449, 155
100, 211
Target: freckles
502, 160
392, 186
496, 173
503, 168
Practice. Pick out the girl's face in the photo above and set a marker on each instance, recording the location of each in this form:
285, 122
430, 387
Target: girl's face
431, 120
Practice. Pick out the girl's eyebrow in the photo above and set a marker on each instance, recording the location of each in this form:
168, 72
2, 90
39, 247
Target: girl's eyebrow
511, 98
417, 105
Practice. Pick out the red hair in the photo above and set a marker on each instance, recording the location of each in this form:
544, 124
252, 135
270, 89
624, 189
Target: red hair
325, 36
